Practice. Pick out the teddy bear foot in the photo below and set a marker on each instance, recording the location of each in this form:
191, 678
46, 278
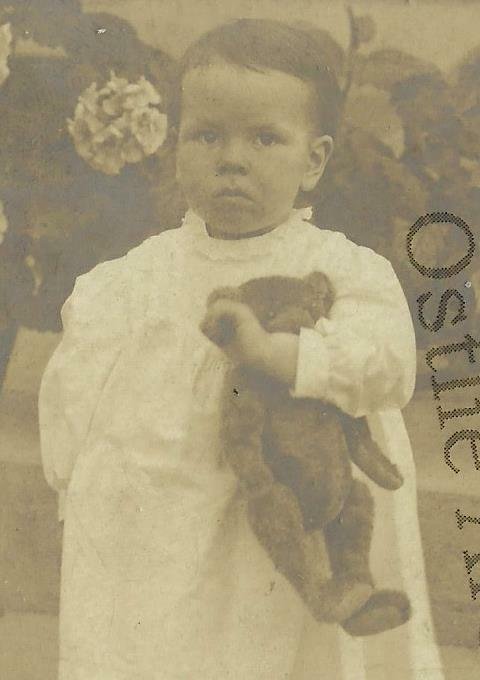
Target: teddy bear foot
386, 609
338, 599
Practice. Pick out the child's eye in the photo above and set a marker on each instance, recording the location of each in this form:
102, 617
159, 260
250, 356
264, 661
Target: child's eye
207, 136
267, 138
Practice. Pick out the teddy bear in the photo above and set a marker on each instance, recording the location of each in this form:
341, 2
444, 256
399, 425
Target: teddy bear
293, 459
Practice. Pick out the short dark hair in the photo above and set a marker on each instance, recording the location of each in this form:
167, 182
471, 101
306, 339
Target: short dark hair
268, 44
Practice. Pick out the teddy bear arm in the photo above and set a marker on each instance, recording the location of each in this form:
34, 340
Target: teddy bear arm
367, 455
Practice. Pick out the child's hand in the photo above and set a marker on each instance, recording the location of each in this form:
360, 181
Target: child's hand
233, 326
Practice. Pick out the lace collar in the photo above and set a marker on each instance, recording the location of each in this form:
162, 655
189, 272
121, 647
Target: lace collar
240, 249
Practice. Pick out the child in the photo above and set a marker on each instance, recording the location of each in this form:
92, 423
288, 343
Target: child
162, 576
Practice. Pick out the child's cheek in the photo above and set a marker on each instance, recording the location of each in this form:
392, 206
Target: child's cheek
193, 166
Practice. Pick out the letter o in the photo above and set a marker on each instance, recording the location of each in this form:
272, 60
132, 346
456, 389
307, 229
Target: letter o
435, 218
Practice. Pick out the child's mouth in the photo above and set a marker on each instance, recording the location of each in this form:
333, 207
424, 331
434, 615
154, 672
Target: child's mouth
233, 194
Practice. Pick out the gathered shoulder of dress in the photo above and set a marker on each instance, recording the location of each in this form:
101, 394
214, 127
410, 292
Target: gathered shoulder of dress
97, 318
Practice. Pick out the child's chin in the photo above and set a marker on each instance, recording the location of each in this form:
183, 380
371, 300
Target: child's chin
235, 218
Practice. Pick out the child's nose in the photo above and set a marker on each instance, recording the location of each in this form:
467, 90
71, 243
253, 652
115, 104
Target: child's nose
233, 159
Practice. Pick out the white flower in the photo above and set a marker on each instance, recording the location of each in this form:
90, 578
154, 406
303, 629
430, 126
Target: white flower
3, 223
118, 124
5, 45
107, 151
149, 127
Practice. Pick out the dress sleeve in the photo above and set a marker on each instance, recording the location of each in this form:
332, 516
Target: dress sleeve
95, 321
362, 358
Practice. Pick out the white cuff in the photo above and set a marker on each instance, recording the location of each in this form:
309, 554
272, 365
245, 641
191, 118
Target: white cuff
312, 366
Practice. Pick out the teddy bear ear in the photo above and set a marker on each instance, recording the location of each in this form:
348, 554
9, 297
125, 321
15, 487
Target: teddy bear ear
228, 292
321, 287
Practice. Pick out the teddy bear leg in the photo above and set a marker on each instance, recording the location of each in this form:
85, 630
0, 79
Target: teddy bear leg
349, 536
348, 543
277, 521
348, 539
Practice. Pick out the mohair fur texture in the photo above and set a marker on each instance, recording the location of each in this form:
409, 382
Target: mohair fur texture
293, 458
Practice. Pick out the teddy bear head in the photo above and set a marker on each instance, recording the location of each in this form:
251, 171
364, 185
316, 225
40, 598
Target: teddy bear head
281, 304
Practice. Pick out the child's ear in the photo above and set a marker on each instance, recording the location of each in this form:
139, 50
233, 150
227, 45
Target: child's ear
320, 151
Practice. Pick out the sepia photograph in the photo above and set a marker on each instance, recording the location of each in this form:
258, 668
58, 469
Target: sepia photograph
239, 339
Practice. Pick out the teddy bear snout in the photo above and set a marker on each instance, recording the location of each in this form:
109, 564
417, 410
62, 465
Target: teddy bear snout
220, 331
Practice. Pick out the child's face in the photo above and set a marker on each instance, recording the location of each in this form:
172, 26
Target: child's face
246, 146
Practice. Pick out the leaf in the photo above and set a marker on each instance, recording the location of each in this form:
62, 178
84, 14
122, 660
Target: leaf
364, 29
370, 109
466, 77
385, 68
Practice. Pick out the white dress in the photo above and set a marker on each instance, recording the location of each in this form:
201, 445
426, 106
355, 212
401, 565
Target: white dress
162, 578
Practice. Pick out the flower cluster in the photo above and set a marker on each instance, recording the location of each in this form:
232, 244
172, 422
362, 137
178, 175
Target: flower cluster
3, 223
5, 45
118, 124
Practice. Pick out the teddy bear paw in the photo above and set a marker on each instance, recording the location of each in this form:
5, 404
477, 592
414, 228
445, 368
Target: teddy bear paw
385, 609
338, 599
